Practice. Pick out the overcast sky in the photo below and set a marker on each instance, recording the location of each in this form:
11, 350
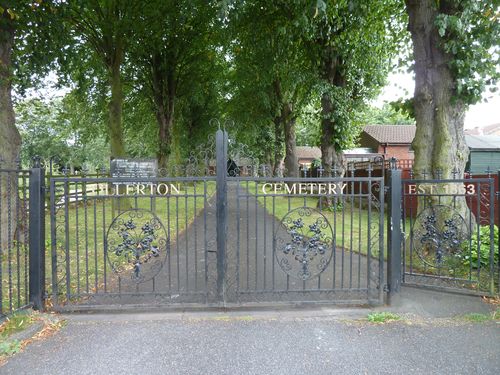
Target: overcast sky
401, 85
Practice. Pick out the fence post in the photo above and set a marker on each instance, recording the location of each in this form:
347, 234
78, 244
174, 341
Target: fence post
395, 235
37, 237
221, 186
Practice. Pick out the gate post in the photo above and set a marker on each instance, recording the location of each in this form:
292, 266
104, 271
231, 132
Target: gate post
37, 236
395, 235
221, 188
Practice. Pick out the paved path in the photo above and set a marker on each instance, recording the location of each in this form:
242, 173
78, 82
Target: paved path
189, 275
304, 342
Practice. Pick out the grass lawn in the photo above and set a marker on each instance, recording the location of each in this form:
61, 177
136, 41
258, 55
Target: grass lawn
81, 228
354, 228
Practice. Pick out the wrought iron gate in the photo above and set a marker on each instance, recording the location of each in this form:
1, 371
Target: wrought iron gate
451, 238
218, 236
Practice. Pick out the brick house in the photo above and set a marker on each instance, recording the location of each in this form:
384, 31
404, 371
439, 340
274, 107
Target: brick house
306, 155
389, 140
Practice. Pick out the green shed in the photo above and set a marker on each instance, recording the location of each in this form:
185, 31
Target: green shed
484, 153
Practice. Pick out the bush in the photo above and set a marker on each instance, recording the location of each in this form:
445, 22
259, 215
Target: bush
470, 255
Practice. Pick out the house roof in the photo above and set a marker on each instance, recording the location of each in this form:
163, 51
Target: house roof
307, 152
493, 129
395, 134
483, 142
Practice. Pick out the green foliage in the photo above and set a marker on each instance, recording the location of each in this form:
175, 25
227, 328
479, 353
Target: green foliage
59, 128
382, 317
481, 318
16, 323
9, 347
39, 40
470, 256
470, 32
387, 115
352, 44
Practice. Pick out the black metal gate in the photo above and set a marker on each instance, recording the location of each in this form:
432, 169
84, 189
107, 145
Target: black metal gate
227, 231
451, 239
216, 236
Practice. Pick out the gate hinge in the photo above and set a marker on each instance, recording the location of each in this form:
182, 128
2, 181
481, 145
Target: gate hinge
387, 288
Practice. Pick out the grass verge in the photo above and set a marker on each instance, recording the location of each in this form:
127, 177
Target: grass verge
15, 334
382, 317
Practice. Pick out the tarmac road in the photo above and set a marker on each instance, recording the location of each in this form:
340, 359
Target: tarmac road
300, 342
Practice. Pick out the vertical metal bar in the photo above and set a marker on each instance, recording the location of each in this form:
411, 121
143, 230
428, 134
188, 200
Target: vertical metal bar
53, 240
1, 249
104, 248
498, 207
265, 241
26, 240
320, 206
96, 278
334, 268
169, 239
18, 240
287, 275
248, 236
195, 238
238, 237
221, 149
404, 229
186, 202
77, 240
360, 231
205, 253
256, 240
394, 235
66, 236
177, 243
9, 236
274, 243
37, 238
369, 232
86, 223
305, 205
381, 247
343, 242
478, 228
351, 250
492, 235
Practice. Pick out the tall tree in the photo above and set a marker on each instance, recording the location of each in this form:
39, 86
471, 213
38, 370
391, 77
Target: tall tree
26, 49
106, 27
456, 53
10, 140
167, 55
351, 43
271, 70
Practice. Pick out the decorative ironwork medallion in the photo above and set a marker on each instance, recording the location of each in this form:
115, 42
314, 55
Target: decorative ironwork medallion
437, 234
137, 243
303, 243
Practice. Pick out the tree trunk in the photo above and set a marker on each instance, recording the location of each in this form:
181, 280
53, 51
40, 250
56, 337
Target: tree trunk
287, 119
115, 111
278, 148
291, 161
164, 92
331, 158
10, 140
439, 142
